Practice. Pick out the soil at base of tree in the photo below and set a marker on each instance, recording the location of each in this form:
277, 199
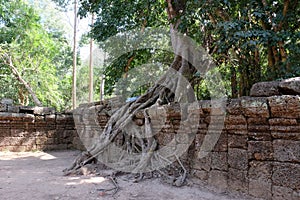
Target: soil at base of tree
38, 175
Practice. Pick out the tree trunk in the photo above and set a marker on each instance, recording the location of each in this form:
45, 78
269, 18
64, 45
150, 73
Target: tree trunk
74, 97
91, 68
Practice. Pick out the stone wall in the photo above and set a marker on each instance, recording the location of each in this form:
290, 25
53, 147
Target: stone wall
36, 128
258, 148
257, 151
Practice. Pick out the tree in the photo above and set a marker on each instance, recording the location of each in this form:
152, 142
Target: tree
169, 88
40, 57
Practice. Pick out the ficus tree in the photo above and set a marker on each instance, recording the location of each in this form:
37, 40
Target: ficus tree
249, 41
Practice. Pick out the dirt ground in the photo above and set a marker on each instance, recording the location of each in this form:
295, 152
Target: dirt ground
38, 175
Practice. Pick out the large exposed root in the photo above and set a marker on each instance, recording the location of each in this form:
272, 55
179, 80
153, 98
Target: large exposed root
135, 139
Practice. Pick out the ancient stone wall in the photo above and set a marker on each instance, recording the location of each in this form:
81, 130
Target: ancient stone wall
257, 150
258, 141
36, 128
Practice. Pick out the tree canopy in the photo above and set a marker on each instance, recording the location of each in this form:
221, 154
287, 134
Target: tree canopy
41, 55
251, 41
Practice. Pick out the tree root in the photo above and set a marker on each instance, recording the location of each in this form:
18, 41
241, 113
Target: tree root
132, 139
115, 189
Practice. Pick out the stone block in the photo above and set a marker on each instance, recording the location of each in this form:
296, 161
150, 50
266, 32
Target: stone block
260, 135
237, 141
238, 158
213, 107
218, 179
282, 122
282, 193
286, 150
260, 189
261, 171
255, 107
4, 132
234, 107
201, 174
12, 109
285, 106
19, 133
260, 150
222, 141
43, 110
286, 175
219, 161
17, 141
286, 135
258, 124
3, 107
290, 86
238, 180
202, 163
7, 101
41, 140
265, 89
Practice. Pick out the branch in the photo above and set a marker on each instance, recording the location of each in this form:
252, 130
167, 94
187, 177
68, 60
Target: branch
19, 77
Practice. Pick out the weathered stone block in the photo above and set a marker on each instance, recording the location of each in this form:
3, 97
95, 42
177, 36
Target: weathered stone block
235, 119
12, 109
219, 161
265, 89
287, 129
286, 150
201, 174
237, 141
261, 171
238, 180
260, 179
234, 107
213, 107
286, 135
222, 141
260, 150
290, 86
282, 122
260, 136
4, 132
282, 193
286, 175
238, 158
17, 141
255, 107
3, 107
19, 133
41, 140
260, 189
7, 101
219, 179
235, 122
202, 163
285, 106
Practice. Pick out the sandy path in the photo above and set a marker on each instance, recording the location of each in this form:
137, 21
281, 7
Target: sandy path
38, 176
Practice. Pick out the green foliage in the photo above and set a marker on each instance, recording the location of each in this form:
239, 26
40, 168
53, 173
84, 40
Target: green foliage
250, 41
42, 58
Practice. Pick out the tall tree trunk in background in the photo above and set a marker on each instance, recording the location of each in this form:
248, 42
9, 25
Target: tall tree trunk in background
74, 97
91, 68
233, 78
